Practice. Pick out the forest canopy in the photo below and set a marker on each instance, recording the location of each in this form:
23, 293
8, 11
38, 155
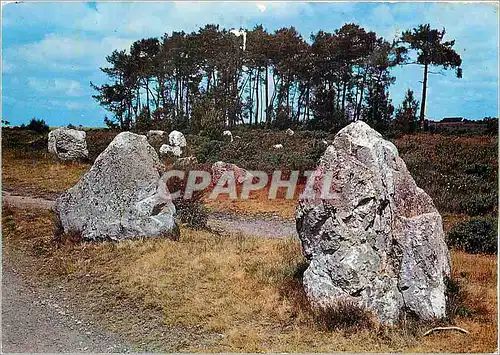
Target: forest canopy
216, 78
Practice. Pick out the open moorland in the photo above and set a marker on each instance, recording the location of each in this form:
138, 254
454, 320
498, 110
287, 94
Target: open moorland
223, 290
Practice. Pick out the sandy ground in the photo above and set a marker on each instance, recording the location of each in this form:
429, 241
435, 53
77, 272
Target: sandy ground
34, 321
26, 201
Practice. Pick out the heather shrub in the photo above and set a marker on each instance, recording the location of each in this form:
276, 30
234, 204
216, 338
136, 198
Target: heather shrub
208, 151
98, 140
478, 235
192, 211
460, 174
456, 297
38, 126
344, 315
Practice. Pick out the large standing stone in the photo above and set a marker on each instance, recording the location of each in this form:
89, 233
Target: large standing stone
121, 196
378, 241
68, 144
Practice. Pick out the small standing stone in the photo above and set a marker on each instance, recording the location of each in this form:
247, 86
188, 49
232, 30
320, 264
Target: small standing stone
68, 144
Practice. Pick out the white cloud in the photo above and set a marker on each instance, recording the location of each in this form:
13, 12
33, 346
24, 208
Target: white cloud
59, 87
59, 52
86, 36
70, 105
141, 19
261, 6
7, 67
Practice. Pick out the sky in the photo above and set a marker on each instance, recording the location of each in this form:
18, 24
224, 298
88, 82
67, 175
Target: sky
52, 51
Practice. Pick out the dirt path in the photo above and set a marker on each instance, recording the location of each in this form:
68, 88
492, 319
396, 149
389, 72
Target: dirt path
34, 321
270, 227
26, 201
252, 226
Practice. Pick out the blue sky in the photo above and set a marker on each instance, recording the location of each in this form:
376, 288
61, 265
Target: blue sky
51, 51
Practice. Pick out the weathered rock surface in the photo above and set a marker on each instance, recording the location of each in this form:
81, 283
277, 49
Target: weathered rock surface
177, 139
68, 144
166, 149
120, 196
155, 133
378, 241
220, 168
228, 134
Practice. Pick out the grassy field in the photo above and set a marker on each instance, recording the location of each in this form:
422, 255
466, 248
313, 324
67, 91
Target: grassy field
228, 293
39, 174
231, 293
459, 173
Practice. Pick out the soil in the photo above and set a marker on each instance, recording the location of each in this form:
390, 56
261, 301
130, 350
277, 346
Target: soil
34, 320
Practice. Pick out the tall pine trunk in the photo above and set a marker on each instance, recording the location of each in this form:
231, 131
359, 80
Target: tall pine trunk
250, 116
257, 96
268, 114
424, 96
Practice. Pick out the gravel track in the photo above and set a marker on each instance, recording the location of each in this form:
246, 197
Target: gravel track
271, 227
33, 321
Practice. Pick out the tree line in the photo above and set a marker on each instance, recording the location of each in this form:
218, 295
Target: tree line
215, 78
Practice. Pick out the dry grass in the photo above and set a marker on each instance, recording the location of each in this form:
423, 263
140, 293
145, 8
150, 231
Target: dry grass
257, 203
41, 175
37, 174
240, 293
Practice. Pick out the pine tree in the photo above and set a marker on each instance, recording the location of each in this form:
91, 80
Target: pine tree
431, 51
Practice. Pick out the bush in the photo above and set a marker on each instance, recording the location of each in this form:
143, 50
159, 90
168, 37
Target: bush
98, 140
143, 122
456, 298
209, 151
38, 126
344, 315
206, 119
23, 140
191, 212
479, 235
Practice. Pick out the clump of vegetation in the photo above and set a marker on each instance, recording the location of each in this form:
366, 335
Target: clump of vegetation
406, 120
476, 236
459, 173
456, 297
37, 125
206, 119
98, 140
192, 211
344, 315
